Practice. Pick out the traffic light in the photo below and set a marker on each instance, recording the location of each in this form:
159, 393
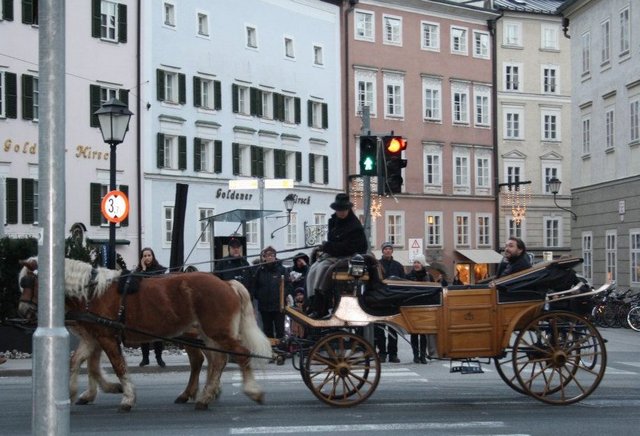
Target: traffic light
392, 173
368, 155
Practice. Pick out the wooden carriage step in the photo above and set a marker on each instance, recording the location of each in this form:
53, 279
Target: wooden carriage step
468, 367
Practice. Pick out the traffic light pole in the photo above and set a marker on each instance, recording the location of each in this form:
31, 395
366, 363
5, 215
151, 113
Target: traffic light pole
366, 180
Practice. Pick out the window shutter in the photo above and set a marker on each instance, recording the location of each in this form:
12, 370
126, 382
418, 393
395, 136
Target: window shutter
95, 202
277, 105
182, 152
325, 115
27, 201
94, 105
256, 102
325, 170
160, 84
96, 19
197, 143
234, 95
312, 167
7, 10
298, 166
298, 110
235, 149
279, 164
197, 90
254, 161
122, 22
217, 95
160, 151
309, 113
125, 190
27, 97
123, 96
11, 189
182, 88
11, 84
27, 11
217, 156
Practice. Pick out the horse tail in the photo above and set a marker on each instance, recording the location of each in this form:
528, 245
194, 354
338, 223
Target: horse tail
251, 335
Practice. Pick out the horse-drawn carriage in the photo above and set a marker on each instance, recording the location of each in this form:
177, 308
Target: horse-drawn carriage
523, 322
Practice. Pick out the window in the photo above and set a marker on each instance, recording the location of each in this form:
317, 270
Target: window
395, 228
30, 97
461, 229
483, 230
291, 109
6, 10
586, 135
483, 116
512, 77
318, 169
609, 129
364, 26
394, 92
461, 170
108, 20
171, 87
483, 172
611, 249
586, 53
365, 91
29, 12
514, 228
171, 152
267, 104
634, 120
318, 114
552, 232
252, 232
241, 99
392, 30
432, 89
550, 126
513, 171
460, 103
513, 123
292, 231
11, 200
318, 55
169, 14
252, 37
605, 39
8, 95
433, 168
549, 34
207, 155
202, 24
458, 40
430, 36
512, 34
203, 224
207, 93
30, 201
550, 80
168, 224
587, 256
634, 256
624, 32
549, 172
288, 48
98, 95
433, 225
481, 44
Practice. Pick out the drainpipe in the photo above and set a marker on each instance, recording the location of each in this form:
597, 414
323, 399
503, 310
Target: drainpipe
139, 129
347, 110
493, 29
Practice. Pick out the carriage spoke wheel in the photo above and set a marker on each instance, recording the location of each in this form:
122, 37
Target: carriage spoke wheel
504, 366
565, 358
342, 369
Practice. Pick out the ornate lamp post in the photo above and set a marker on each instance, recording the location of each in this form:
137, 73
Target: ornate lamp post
554, 187
289, 200
114, 117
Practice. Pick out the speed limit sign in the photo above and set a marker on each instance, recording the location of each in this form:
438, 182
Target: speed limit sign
115, 206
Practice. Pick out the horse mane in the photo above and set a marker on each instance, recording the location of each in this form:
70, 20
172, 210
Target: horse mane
24, 271
79, 276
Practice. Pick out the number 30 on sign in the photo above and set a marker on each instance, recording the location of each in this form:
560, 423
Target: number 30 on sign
115, 206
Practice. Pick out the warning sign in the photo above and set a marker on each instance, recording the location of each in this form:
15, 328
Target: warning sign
415, 247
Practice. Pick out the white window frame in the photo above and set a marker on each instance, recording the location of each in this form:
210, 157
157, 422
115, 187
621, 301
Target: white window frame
634, 257
432, 99
483, 230
289, 48
611, 254
483, 171
482, 113
514, 229
550, 125
549, 37
169, 14
634, 120
459, 42
512, 76
605, 39
392, 30
109, 21
585, 41
365, 91
552, 231
364, 25
460, 103
318, 55
292, 231
462, 229
610, 128
512, 34
3, 94
394, 227
289, 109
171, 87
514, 127
586, 134
587, 256
513, 170
550, 79
461, 171
316, 115
625, 32
429, 40
267, 104
433, 169
202, 24
481, 45
244, 100
394, 100
204, 239
251, 36
168, 215
549, 170
206, 155
433, 229
252, 232
170, 152
207, 94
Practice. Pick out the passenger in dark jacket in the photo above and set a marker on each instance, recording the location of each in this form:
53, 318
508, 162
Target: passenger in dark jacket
420, 343
298, 272
515, 257
385, 337
266, 290
235, 265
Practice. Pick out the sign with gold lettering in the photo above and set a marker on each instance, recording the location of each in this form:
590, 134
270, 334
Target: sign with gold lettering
115, 206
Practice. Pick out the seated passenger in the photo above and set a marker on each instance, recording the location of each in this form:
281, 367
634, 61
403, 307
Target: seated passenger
515, 257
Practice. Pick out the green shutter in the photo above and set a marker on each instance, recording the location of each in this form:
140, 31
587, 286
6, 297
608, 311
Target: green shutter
298, 115
123, 96
217, 95
312, 167
235, 150
255, 102
27, 12
95, 203
325, 115
96, 19
182, 152
27, 201
11, 204
217, 156
94, 105
122, 23
254, 161
279, 167
7, 10
276, 107
197, 144
125, 190
260, 162
234, 98
11, 94
197, 92
160, 151
298, 166
325, 172
309, 113
160, 84
27, 97
182, 88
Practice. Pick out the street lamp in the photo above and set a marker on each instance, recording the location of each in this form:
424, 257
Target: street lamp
289, 201
114, 117
554, 187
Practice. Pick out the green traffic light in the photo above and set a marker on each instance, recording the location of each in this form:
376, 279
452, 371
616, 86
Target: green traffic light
368, 164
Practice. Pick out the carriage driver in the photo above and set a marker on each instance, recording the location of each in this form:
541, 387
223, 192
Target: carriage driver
345, 238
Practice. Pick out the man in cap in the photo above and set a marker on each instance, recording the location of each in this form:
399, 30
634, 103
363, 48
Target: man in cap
235, 265
265, 287
299, 271
345, 238
386, 338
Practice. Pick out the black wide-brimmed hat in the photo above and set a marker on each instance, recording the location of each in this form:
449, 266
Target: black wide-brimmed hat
233, 242
342, 202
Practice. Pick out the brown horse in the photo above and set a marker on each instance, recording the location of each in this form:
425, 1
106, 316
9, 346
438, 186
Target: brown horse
166, 306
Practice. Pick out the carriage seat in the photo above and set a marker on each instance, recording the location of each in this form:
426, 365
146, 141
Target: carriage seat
387, 297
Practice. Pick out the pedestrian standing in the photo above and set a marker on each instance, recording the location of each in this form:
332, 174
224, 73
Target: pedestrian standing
420, 342
266, 289
234, 266
385, 337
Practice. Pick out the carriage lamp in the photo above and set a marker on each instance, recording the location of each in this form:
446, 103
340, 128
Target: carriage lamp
114, 117
554, 187
289, 201
357, 266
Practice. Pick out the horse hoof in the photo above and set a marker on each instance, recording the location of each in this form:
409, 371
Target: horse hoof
201, 406
259, 398
82, 402
181, 399
124, 408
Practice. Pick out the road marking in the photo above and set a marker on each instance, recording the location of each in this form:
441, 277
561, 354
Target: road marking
368, 427
636, 364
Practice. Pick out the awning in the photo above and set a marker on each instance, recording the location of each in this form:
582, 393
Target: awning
240, 215
481, 256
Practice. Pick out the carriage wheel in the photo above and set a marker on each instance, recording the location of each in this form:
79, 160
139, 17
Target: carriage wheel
566, 358
504, 367
342, 369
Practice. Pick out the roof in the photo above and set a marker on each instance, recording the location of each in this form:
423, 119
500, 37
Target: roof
530, 6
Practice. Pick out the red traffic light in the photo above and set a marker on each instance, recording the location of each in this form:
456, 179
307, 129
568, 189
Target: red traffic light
394, 144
